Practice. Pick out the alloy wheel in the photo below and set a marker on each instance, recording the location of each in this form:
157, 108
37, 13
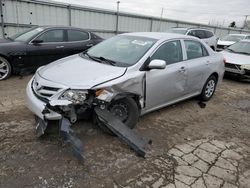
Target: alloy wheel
4, 68
210, 87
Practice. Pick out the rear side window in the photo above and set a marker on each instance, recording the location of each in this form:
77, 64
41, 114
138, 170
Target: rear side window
200, 34
209, 34
195, 49
192, 33
52, 36
170, 52
76, 35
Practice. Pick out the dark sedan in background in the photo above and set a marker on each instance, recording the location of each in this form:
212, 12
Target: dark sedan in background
26, 51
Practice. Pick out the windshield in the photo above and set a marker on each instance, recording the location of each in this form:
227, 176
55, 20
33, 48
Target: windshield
234, 38
240, 47
179, 31
26, 35
123, 50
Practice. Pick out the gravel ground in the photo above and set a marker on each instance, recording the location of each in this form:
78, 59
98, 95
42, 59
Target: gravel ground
192, 146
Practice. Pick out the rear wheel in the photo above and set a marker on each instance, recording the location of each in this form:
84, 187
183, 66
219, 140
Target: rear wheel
126, 110
5, 68
209, 88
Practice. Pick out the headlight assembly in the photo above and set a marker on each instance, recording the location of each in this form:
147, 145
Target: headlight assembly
75, 96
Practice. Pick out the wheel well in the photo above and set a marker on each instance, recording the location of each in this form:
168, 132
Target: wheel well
216, 75
5, 57
131, 95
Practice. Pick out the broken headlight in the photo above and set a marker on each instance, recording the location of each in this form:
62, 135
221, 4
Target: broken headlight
75, 96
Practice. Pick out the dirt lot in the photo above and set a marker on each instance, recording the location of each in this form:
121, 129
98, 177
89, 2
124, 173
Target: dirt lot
192, 146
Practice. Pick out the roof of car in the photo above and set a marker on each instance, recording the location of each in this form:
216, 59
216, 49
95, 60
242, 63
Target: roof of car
190, 28
158, 35
58, 26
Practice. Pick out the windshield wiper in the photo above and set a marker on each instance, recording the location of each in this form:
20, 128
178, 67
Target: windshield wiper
230, 50
100, 59
91, 57
103, 59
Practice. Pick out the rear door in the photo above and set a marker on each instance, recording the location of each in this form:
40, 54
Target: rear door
50, 49
77, 41
198, 61
166, 85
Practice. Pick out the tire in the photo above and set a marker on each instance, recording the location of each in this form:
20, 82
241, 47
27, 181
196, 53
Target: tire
209, 88
5, 69
125, 109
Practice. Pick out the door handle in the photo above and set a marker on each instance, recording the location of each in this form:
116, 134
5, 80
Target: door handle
207, 62
89, 45
59, 47
182, 69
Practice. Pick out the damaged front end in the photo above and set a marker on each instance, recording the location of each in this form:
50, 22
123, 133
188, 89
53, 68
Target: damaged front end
69, 105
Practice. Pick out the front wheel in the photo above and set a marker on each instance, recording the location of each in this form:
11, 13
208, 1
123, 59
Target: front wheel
126, 110
5, 68
209, 88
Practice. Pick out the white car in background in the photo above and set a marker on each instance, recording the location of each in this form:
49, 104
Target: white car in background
229, 40
204, 34
238, 59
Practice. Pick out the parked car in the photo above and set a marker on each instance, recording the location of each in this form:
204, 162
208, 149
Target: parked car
229, 40
28, 50
129, 75
206, 35
238, 59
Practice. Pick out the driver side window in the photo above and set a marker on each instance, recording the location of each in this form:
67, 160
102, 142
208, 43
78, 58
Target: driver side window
52, 36
170, 52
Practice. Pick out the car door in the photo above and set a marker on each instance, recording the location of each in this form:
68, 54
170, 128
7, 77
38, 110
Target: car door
46, 47
166, 85
197, 61
77, 41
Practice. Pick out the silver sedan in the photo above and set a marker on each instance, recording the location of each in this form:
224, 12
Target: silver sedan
129, 75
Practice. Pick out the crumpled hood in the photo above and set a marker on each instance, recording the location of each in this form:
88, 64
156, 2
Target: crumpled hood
78, 72
225, 43
239, 59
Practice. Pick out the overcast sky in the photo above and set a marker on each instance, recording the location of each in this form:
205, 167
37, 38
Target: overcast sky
201, 11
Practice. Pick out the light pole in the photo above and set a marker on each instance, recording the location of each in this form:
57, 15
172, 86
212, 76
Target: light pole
117, 16
159, 28
245, 22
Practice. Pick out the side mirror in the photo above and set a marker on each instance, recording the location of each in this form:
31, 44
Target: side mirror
157, 64
37, 41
